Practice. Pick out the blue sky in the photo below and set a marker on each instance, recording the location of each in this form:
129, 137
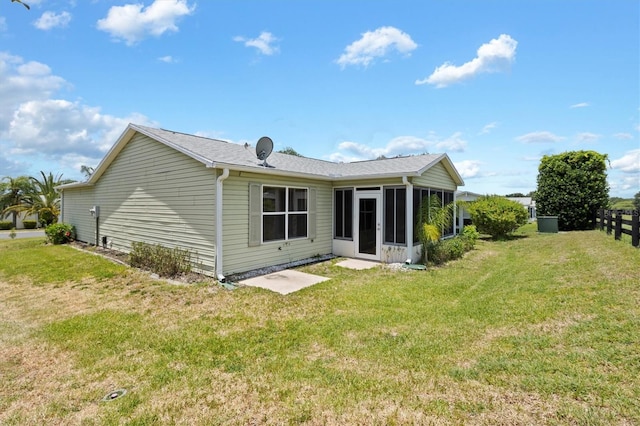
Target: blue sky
494, 84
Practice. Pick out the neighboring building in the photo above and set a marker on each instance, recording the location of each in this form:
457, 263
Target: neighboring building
529, 204
22, 217
463, 217
236, 214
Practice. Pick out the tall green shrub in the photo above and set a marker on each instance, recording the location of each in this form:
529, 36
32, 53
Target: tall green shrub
573, 186
496, 215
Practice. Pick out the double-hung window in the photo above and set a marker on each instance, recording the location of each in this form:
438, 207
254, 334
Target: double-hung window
285, 213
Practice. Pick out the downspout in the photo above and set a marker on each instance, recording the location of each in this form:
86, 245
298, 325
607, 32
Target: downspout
61, 218
409, 218
225, 174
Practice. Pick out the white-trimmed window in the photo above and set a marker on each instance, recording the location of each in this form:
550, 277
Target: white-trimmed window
279, 213
284, 213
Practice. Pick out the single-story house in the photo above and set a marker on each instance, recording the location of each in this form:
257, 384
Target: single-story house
529, 204
463, 217
236, 212
20, 218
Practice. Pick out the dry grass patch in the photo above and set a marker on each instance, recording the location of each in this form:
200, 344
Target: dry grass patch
508, 335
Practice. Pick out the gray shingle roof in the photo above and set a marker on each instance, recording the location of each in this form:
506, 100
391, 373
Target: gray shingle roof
219, 153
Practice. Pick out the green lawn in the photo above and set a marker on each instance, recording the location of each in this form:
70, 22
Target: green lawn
540, 329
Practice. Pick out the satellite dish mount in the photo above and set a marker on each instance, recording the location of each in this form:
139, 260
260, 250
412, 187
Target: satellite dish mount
264, 147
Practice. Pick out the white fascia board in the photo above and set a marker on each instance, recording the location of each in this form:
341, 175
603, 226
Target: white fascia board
73, 185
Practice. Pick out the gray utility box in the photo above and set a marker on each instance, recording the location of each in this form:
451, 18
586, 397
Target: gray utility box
548, 224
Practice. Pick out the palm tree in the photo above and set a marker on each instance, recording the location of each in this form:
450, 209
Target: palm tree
87, 171
42, 198
12, 193
22, 3
432, 219
290, 151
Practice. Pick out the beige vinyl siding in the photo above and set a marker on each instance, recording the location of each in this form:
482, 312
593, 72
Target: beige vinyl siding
75, 210
436, 177
239, 256
154, 194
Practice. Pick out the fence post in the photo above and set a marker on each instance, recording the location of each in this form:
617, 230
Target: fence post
618, 224
635, 228
608, 215
601, 218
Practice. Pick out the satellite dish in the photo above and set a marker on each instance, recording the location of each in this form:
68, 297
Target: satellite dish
263, 149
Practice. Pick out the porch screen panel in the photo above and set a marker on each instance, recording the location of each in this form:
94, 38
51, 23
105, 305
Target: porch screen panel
395, 218
343, 214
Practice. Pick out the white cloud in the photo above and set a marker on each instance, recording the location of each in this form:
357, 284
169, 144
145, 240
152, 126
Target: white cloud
9, 166
168, 59
468, 168
629, 162
23, 81
58, 127
580, 105
488, 128
35, 127
50, 20
134, 22
586, 137
497, 55
453, 143
539, 137
376, 44
629, 183
264, 43
398, 146
623, 136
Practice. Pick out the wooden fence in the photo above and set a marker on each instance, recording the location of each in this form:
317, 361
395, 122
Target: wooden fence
618, 223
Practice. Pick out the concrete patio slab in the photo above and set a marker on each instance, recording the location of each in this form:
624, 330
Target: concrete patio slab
358, 264
284, 282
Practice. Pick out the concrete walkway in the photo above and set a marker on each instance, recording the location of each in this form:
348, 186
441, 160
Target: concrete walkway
358, 264
284, 282
289, 280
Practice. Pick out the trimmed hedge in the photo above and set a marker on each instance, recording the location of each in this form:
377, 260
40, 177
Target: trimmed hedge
5, 225
573, 186
30, 224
